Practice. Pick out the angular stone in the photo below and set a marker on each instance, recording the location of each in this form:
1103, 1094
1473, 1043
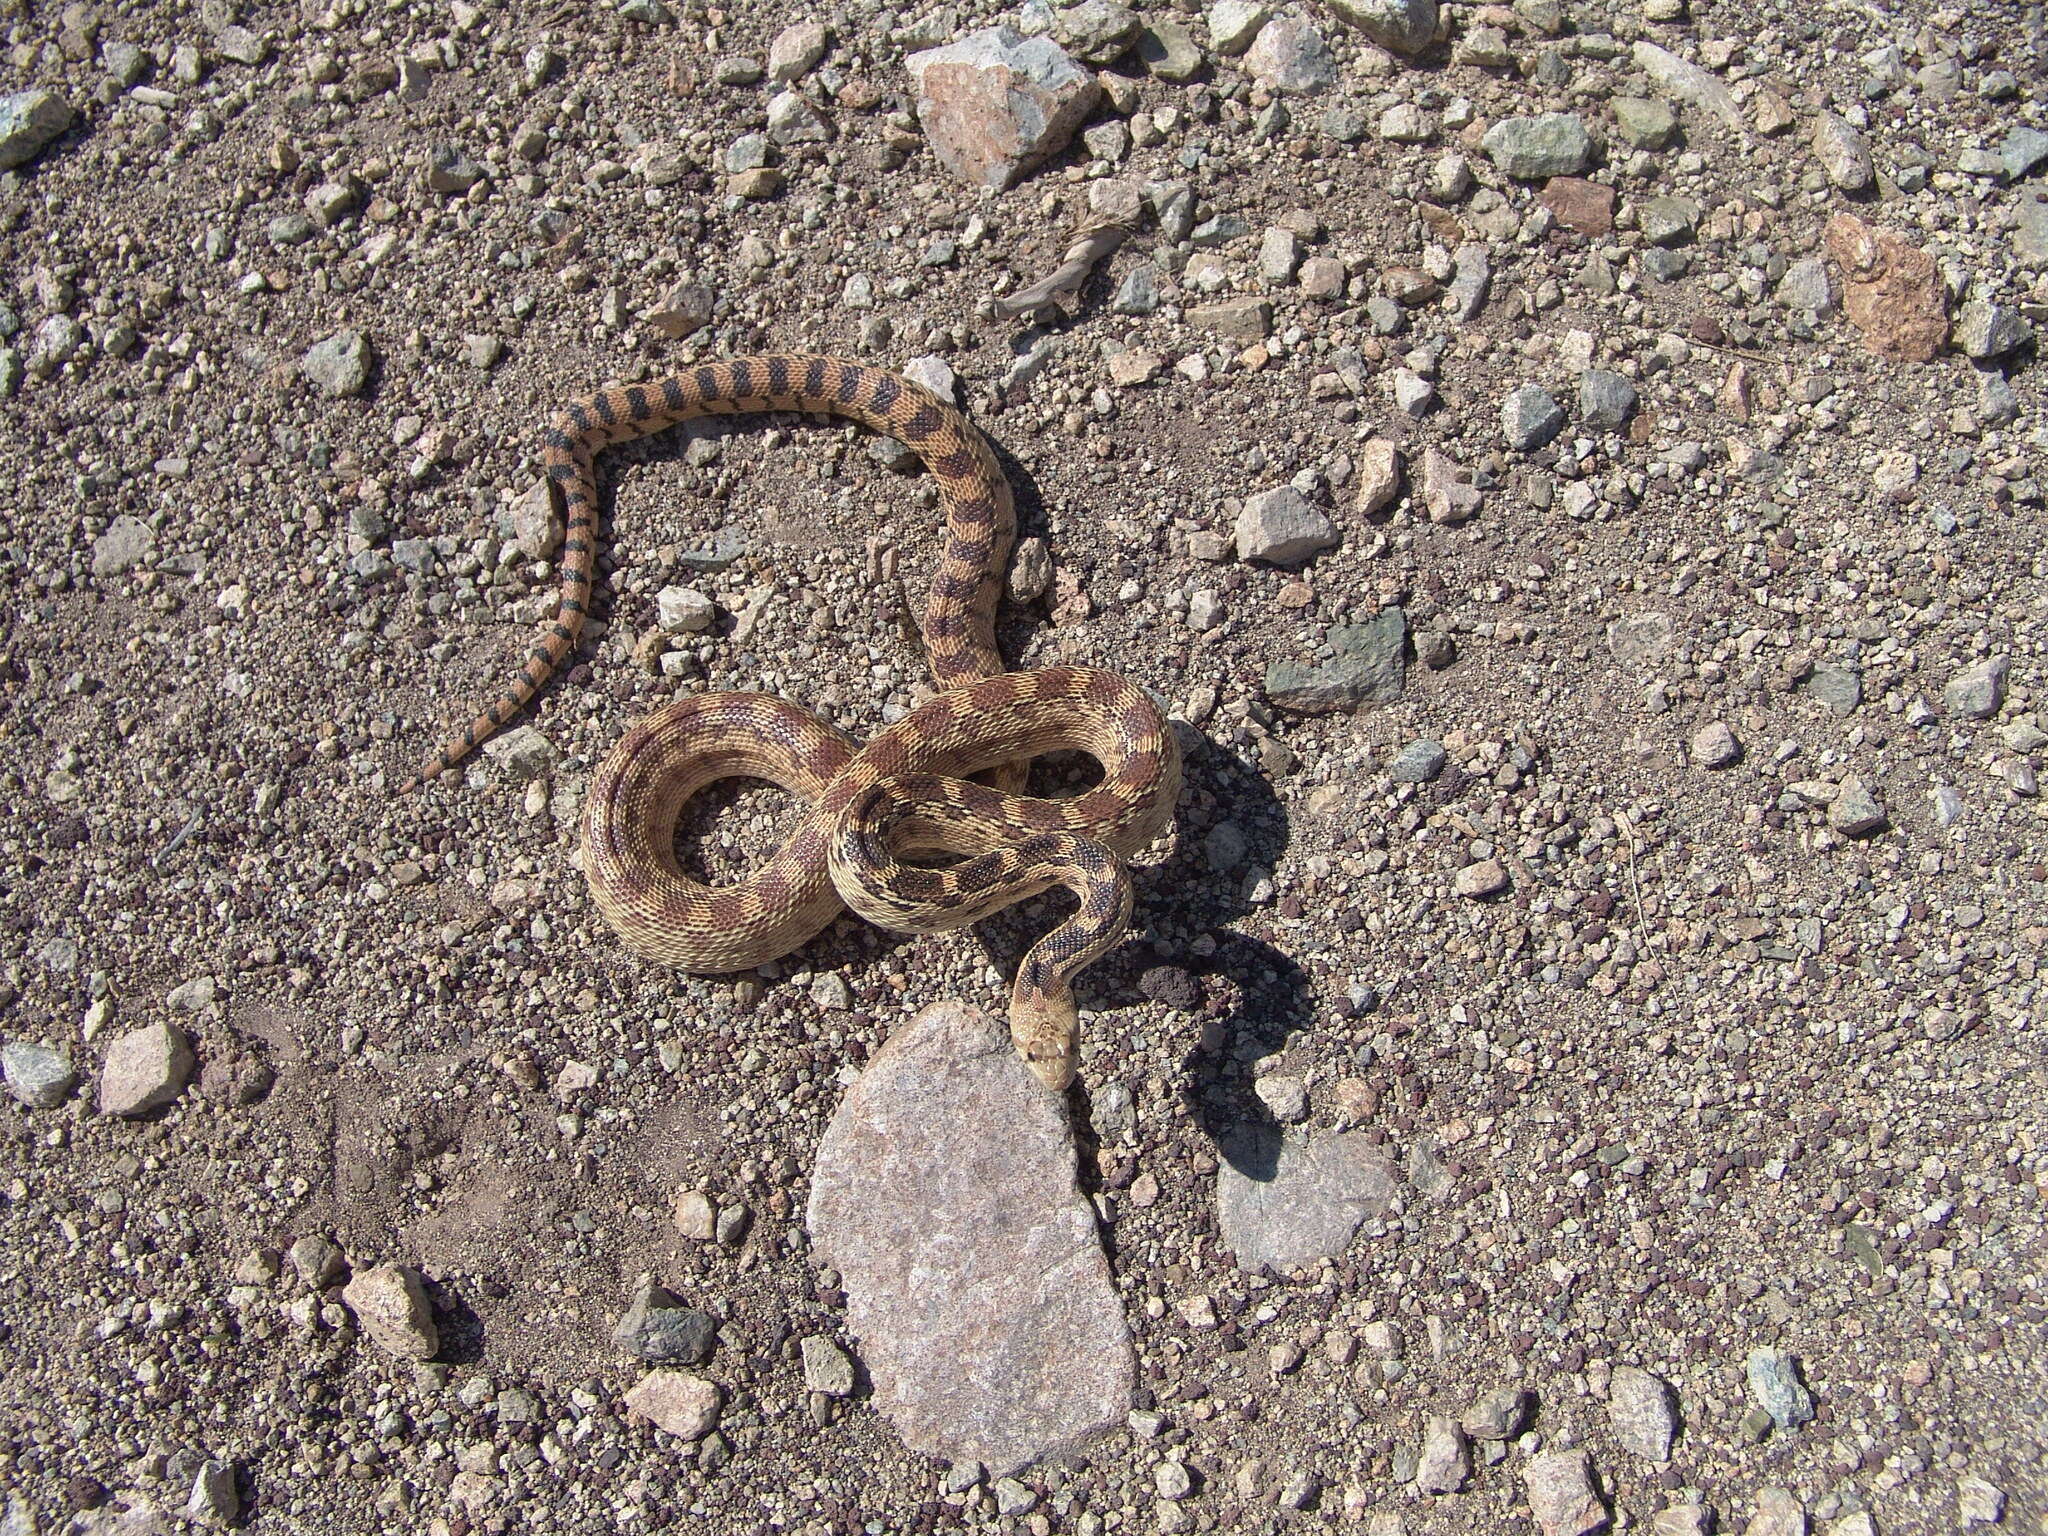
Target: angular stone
1238, 319
1715, 746
214, 1499
390, 1302
1488, 877
1444, 1461
657, 1327
537, 521
1233, 24
1842, 153
1498, 1415
1775, 1387
340, 365
1418, 762
1645, 124
1585, 206
684, 609
1169, 51
1561, 1495
1839, 685
1371, 668
695, 1216
1980, 1502
40, 1076
793, 120
1978, 692
1682, 1520
1893, 293
522, 752
1448, 494
1805, 287
2023, 149
1531, 148
1778, 1512
796, 50
29, 122
827, 1367
1639, 1410
1668, 220
125, 545
1283, 527
1285, 1200
1854, 812
1099, 31
944, 1194
1986, 332
145, 1069
1606, 399
995, 105
1377, 469
683, 1404
1529, 418
1400, 26
1687, 82
317, 1260
1291, 57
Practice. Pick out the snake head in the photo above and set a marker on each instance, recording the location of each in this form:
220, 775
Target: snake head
1046, 1032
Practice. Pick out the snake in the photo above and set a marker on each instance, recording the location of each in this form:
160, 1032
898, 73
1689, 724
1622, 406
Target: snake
924, 828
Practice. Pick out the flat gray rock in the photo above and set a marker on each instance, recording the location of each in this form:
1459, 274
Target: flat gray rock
1287, 1201
41, 1076
976, 1287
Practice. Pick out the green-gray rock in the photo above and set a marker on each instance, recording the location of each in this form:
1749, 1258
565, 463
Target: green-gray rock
29, 121
1402, 26
1169, 51
1644, 124
340, 365
1668, 220
1371, 667
1534, 148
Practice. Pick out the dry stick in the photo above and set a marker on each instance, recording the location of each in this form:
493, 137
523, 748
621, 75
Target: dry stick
1091, 246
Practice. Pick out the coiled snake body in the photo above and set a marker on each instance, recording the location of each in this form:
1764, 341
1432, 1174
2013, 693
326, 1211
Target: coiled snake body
906, 793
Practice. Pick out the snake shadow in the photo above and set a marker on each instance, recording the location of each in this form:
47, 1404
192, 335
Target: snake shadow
1236, 997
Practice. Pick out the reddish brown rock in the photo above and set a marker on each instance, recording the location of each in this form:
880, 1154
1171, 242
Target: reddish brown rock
997, 104
1583, 205
1892, 291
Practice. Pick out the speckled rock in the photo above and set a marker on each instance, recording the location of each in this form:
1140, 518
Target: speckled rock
996, 104
1531, 148
1292, 1200
944, 1195
1892, 291
29, 122
40, 1076
1561, 1494
145, 1069
390, 1302
680, 1402
1291, 57
1401, 26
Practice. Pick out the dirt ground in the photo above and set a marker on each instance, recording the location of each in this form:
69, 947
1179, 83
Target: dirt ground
1679, 1061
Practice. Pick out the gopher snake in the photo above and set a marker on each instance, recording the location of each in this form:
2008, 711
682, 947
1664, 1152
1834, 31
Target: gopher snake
906, 793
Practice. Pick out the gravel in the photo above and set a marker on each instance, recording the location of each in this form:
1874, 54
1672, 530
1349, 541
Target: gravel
1720, 1065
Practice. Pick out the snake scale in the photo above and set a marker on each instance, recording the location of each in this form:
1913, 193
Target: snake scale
872, 811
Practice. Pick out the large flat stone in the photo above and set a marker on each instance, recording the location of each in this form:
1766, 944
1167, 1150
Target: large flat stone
1290, 1200
976, 1287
